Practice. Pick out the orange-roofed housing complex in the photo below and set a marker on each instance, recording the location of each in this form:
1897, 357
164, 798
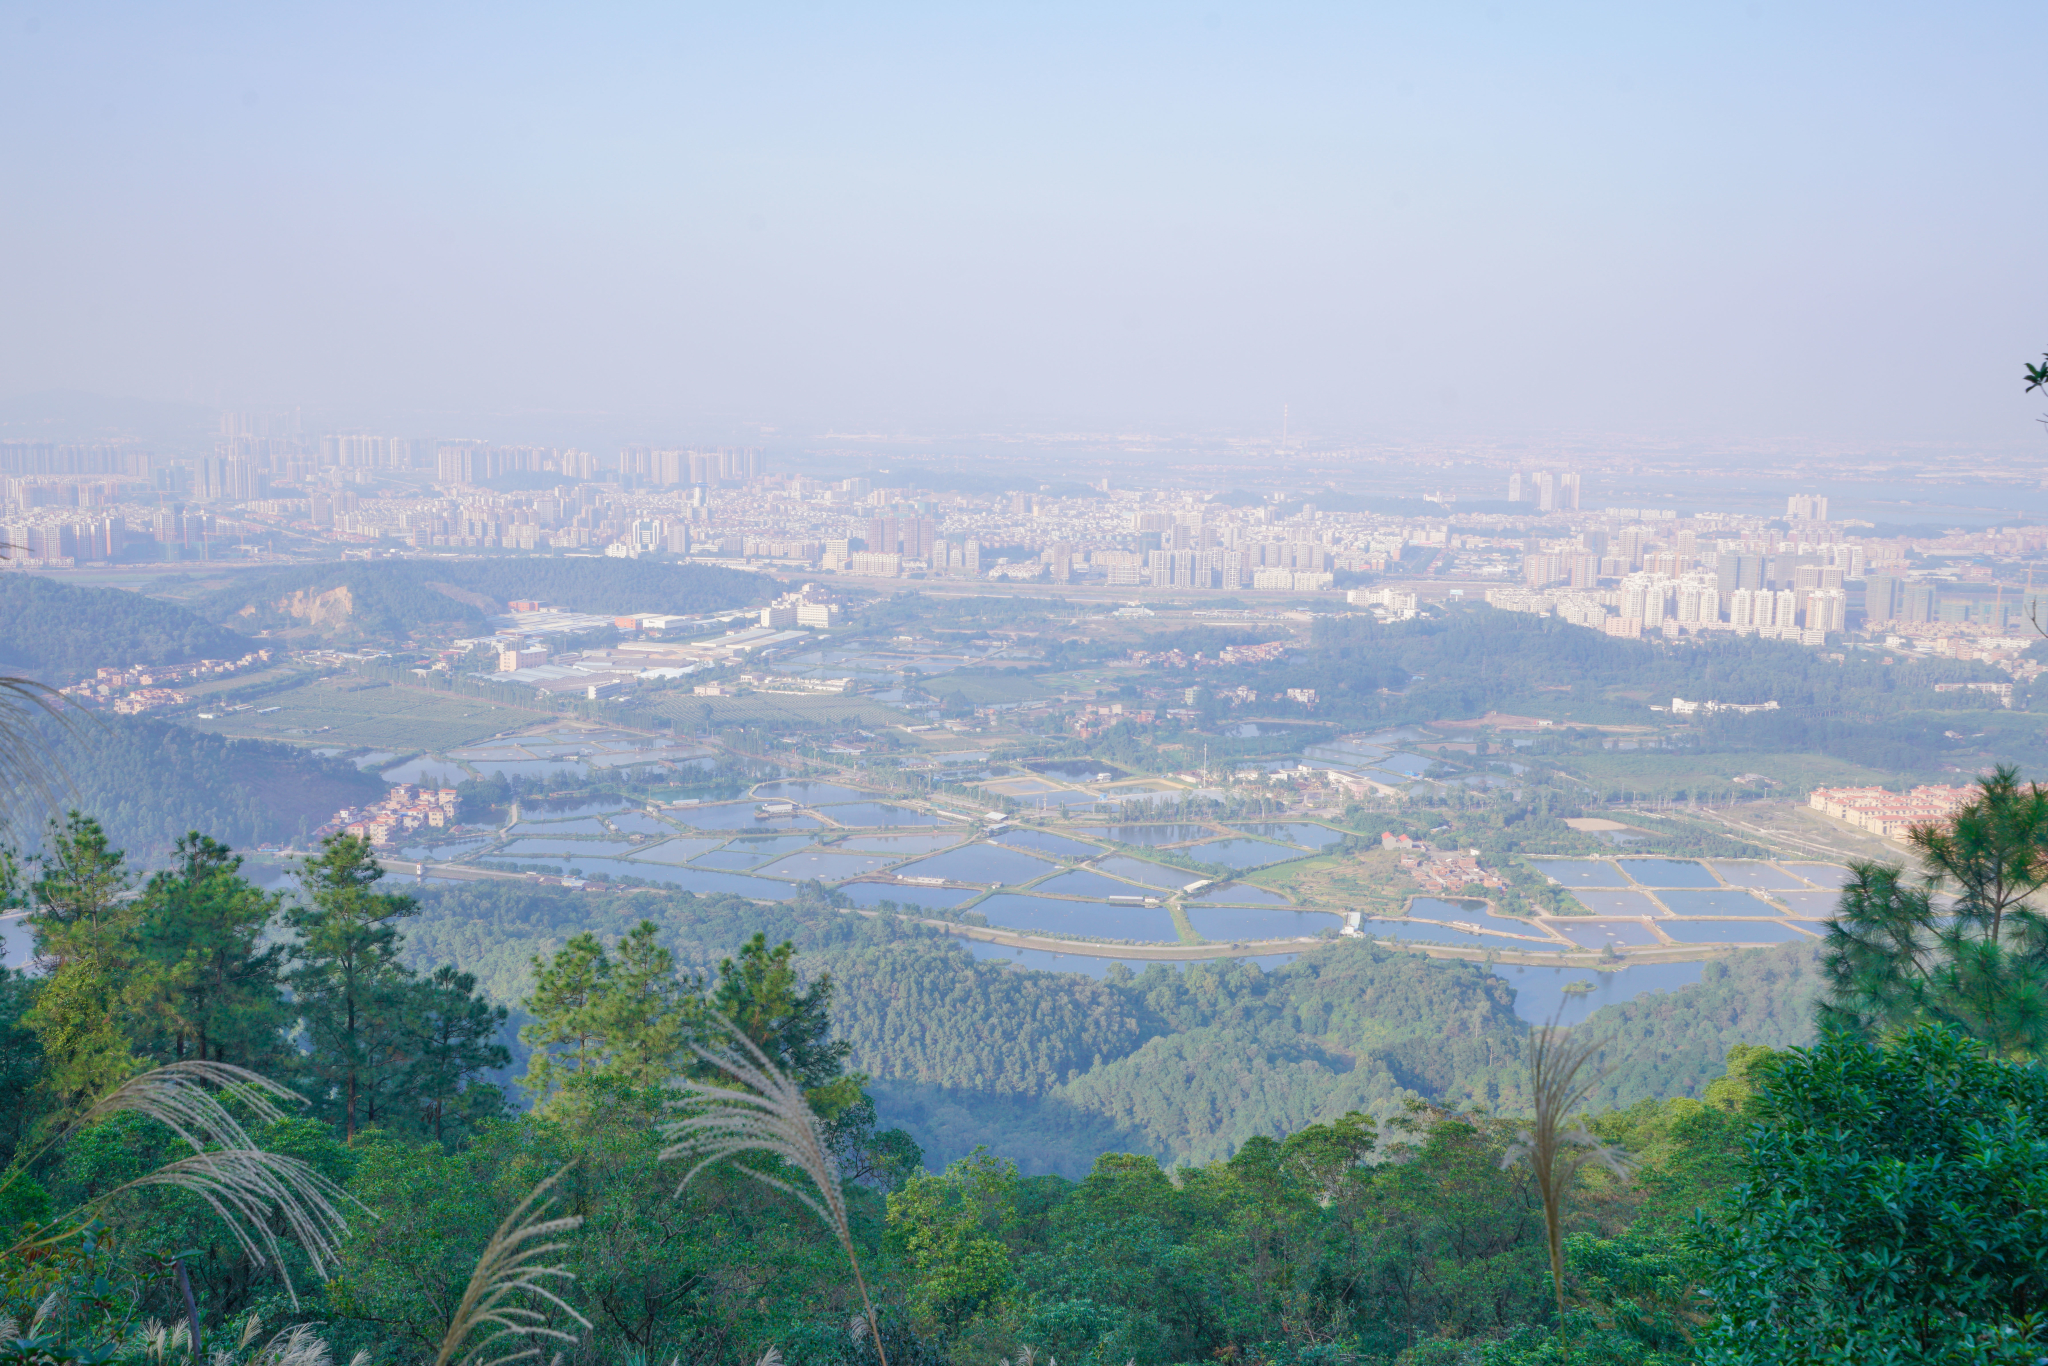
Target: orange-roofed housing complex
1890, 813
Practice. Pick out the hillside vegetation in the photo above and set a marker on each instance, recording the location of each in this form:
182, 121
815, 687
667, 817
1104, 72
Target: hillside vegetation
151, 781
59, 632
1186, 1066
1334, 1162
392, 599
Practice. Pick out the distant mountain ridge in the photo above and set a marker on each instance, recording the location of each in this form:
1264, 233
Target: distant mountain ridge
60, 632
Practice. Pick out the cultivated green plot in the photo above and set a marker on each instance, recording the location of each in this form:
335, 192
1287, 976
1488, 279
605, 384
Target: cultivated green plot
350, 711
778, 709
1660, 772
982, 690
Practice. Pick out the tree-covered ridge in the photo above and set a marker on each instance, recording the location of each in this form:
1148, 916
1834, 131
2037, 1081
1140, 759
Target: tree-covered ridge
1675, 1043
60, 632
390, 599
1184, 1064
1872, 1196
152, 781
1476, 660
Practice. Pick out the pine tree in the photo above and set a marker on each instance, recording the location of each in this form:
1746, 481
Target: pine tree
351, 988
211, 990
1897, 956
83, 922
765, 999
600, 1014
455, 1036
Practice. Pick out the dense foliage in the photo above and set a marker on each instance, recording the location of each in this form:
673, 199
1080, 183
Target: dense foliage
1346, 1186
1962, 944
1894, 1208
151, 781
1182, 1064
1472, 661
60, 632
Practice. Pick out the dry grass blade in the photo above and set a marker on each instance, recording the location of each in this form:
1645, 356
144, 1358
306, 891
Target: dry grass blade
187, 1098
245, 1187
770, 1116
1556, 1148
514, 1265
251, 1190
298, 1345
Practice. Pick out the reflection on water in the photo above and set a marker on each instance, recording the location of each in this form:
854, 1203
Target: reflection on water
1020, 911
1751, 874
1294, 832
1241, 854
1082, 882
1045, 842
1600, 933
1667, 872
1729, 931
427, 771
810, 794
1154, 834
1617, 903
1232, 924
898, 846
1472, 912
1151, 874
982, 863
17, 941
1540, 992
1574, 872
1718, 901
827, 867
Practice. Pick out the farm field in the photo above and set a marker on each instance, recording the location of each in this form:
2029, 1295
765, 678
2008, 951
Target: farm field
1659, 773
346, 711
782, 709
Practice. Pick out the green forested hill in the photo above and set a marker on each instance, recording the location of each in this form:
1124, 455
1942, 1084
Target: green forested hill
1673, 1043
1476, 659
390, 599
1054, 1068
59, 632
150, 781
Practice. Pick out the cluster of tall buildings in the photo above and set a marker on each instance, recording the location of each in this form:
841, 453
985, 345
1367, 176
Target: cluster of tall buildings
1549, 490
49, 458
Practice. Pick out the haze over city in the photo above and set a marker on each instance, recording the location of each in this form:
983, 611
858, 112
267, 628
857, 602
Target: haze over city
1122, 684
1762, 224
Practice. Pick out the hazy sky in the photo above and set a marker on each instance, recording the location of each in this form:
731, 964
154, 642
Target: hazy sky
1709, 221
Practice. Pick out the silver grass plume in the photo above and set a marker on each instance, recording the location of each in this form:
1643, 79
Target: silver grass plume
26, 768
1556, 1148
298, 1345
770, 1116
252, 1191
515, 1264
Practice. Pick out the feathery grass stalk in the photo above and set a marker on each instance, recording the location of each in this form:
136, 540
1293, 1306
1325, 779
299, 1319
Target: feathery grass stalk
240, 1182
514, 1263
770, 1116
1556, 1149
25, 763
